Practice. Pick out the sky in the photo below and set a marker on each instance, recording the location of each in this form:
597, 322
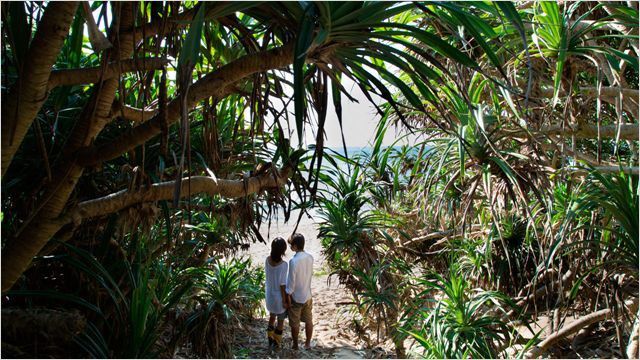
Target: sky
359, 122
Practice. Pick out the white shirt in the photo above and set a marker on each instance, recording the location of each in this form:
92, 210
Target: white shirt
275, 276
299, 280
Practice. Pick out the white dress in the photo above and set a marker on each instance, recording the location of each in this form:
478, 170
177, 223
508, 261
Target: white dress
275, 276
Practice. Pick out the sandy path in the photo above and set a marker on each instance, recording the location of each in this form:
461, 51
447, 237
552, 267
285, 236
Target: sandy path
332, 337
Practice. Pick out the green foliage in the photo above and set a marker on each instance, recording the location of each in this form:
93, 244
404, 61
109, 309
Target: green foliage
226, 294
614, 198
459, 322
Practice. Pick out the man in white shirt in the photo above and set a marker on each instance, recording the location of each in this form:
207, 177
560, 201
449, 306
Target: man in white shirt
298, 290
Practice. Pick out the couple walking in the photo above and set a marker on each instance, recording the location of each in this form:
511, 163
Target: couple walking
288, 290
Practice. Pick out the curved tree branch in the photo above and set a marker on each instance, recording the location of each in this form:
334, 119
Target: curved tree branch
131, 113
123, 199
181, 20
576, 326
96, 74
212, 85
190, 186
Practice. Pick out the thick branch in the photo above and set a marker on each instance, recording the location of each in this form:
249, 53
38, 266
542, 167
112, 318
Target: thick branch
576, 326
95, 74
189, 186
27, 95
181, 20
627, 131
132, 114
212, 85
606, 91
124, 199
43, 223
607, 94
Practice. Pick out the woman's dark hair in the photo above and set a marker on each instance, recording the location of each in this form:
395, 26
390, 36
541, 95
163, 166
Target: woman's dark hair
278, 248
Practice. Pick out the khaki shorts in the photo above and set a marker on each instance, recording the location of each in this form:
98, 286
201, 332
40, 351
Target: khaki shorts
300, 312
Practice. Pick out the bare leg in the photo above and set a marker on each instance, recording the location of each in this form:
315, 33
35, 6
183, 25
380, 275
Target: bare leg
270, 330
294, 336
277, 334
308, 329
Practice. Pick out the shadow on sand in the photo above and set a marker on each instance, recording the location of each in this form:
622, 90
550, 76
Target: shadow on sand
251, 342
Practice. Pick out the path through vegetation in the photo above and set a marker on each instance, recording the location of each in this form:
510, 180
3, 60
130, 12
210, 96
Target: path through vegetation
334, 335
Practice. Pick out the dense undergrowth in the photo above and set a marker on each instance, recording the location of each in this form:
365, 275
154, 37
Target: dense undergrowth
469, 290
133, 305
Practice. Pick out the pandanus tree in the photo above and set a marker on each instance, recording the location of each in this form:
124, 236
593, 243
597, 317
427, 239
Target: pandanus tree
136, 93
568, 95
513, 179
522, 143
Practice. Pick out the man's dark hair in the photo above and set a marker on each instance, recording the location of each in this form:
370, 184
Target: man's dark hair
297, 239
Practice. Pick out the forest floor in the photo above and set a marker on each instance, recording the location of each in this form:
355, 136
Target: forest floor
333, 334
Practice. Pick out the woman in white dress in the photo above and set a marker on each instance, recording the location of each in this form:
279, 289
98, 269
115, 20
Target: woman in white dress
276, 269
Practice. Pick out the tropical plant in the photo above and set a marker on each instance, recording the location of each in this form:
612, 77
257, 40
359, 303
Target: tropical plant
321, 41
457, 322
227, 293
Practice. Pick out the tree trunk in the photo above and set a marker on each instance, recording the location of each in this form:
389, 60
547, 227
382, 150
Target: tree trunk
27, 95
44, 223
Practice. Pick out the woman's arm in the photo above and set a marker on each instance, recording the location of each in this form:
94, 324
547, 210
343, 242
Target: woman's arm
283, 287
285, 299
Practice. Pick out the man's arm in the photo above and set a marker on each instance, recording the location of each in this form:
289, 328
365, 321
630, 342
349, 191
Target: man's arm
291, 279
283, 284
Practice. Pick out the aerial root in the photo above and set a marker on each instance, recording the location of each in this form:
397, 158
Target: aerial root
576, 326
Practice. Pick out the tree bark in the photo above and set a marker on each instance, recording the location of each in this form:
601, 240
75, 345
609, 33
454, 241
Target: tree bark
130, 113
45, 222
212, 85
11, 269
627, 131
27, 95
96, 74
189, 186
607, 94
163, 26
576, 326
